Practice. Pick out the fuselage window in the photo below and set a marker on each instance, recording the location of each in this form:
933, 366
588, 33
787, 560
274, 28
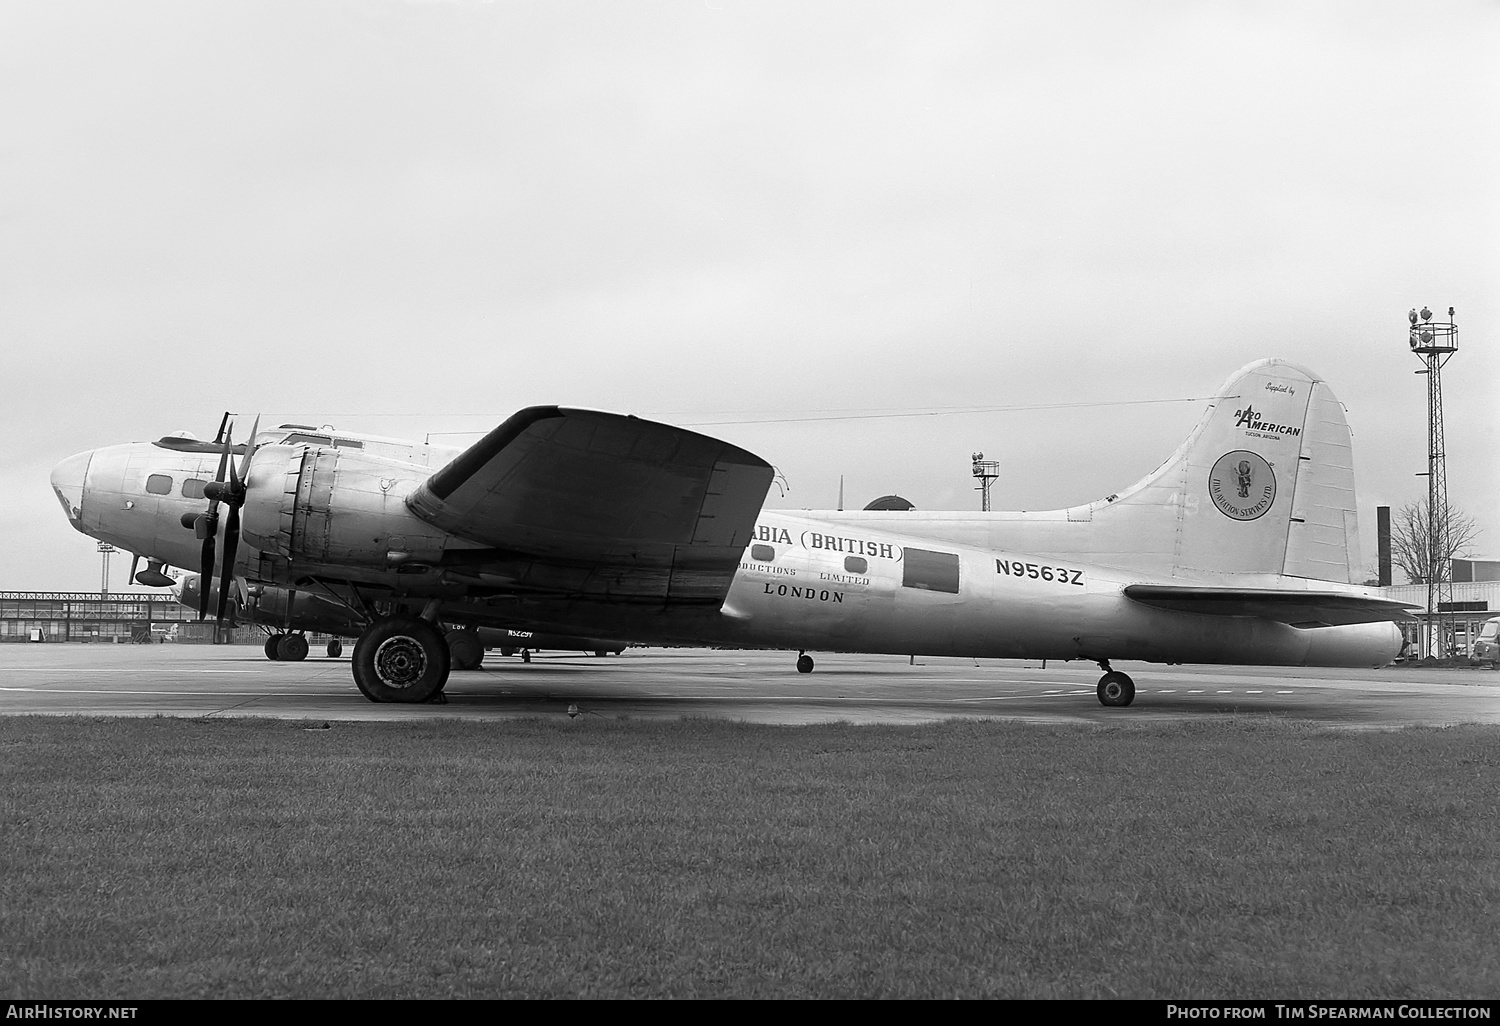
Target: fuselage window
929, 571
763, 553
348, 443
856, 564
159, 484
192, 488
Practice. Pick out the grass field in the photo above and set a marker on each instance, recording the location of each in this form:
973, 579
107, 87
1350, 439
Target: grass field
596, 858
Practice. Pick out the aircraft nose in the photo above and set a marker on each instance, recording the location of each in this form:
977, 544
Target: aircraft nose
68, 479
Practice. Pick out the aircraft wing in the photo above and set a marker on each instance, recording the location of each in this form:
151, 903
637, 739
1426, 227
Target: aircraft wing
1297, 608
578, 502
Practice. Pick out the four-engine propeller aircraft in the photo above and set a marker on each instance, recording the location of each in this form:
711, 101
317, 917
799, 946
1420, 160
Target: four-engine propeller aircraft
1238, 549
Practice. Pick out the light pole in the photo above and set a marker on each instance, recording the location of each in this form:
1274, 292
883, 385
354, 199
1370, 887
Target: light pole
1434, 342
105, 548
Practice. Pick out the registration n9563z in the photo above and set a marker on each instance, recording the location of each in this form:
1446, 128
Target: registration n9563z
1039, 571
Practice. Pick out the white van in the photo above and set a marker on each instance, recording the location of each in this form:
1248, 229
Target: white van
1487, 646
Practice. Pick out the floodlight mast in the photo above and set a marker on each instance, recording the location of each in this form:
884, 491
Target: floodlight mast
1435, 342
986, 471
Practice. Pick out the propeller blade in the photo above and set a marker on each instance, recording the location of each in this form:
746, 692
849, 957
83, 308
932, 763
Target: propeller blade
244, 474
206, 576
231, 543
223, 463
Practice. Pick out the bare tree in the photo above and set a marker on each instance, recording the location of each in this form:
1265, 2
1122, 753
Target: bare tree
1409, 546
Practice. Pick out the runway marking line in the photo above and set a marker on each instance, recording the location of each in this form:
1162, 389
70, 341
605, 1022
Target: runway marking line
110, 669
211, 694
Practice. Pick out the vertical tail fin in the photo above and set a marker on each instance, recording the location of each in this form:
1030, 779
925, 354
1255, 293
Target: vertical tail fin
1264, 484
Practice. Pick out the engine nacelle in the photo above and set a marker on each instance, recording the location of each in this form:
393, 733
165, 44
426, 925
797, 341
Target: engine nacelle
314, 505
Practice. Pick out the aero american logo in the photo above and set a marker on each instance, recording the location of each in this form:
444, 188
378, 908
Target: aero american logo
1251, 420
1242, 485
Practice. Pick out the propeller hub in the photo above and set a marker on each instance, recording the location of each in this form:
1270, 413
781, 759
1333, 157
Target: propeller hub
232, 492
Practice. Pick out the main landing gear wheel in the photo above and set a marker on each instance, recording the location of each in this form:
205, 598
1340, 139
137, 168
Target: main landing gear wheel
271, 646
335, 648
401, 659
1116, 689
465, 650
291, 648
804, 663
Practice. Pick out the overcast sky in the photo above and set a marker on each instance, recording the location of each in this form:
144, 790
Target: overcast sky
414, 217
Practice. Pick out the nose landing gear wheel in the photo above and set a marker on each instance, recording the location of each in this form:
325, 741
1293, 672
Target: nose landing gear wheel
1116, 689
292, 648
401, 659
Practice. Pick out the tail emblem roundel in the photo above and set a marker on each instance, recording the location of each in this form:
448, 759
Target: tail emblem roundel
1242, 485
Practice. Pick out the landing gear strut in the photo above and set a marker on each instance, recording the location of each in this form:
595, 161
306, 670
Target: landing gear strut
401, 659
1115, 688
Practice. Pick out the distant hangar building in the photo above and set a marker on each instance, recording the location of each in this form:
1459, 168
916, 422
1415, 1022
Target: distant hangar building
115, 617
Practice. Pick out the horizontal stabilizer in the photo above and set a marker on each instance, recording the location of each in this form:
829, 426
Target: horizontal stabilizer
600, 504
1297, 608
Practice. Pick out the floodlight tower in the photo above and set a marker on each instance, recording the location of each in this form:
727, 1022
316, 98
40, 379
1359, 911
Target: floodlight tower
104, 548
986, 471
1435, 342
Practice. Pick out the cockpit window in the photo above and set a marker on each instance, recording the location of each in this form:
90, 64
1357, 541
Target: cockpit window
763, 553
159, 484
192, 488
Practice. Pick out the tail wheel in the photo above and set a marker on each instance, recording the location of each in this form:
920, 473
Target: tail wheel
804, 663
292, 648
1116, 689
401, 659
335, 648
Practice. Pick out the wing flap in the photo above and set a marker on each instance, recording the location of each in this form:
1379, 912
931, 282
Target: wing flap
598, 504
1297, 608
